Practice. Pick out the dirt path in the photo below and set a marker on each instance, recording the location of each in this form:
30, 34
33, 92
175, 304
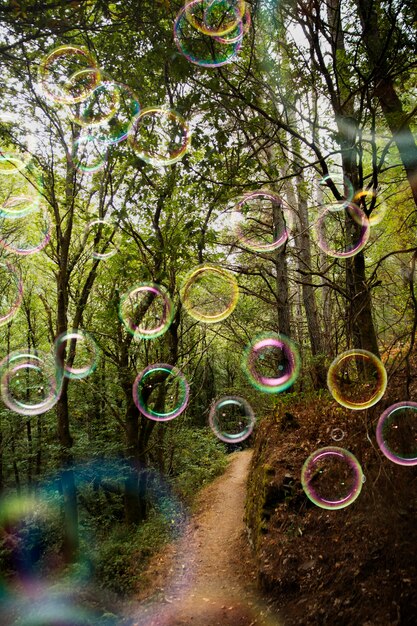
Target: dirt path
207, 578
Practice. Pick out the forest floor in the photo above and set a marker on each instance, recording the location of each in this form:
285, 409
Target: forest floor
208, 576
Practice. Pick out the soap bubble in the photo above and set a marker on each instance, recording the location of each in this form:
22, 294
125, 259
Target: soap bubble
57, 70
337, 434
357, 379
11, 292
99, 107
209, 293
201, 49
332, 478
232, 419
396, 433
272, 363
368, 199
237, 34
215, 17
81, 351
27, 234
116, 129
20, 190
146, 311
161, 392
30, 383
88, 155
106, 238
159, 136
262, 221
342, 229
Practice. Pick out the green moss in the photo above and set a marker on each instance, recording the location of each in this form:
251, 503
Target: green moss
258, 481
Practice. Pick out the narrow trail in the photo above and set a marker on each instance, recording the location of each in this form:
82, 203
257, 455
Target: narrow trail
207, 578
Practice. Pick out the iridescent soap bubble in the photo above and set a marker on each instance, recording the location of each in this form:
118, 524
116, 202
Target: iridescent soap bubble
209, 293
199, 48
357, 379
106, 238
21, 190
232, 419
159, 136
11, 292
272, 363
369, 200
337, 434
28, 234
342, 184
261, 221
396, 433
342, 229
30, 382
215, 17
76, 354
161, 392
146, 310
238, 33
56, 74
99, 107
116, 129
88, 154
332, 478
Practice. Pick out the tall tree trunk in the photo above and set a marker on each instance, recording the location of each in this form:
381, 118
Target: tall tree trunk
281, 271
304, 265
376, 46
360, 304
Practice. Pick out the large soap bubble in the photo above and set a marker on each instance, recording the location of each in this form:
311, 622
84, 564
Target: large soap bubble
232, 419
209, 293
396, 433
272, 363
357, 379
332, 478
161, 392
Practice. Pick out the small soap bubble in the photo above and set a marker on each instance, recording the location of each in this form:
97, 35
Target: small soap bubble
116, 129
99, 107
262, 221
146, 311
30, 382
159, 136
27, 234
88, 154
161, 392
215, 17
272, 363
232, 419
337, 434
332, 478
76, 354
342, 229
357, 379
396, 433
21, 190
105, 238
